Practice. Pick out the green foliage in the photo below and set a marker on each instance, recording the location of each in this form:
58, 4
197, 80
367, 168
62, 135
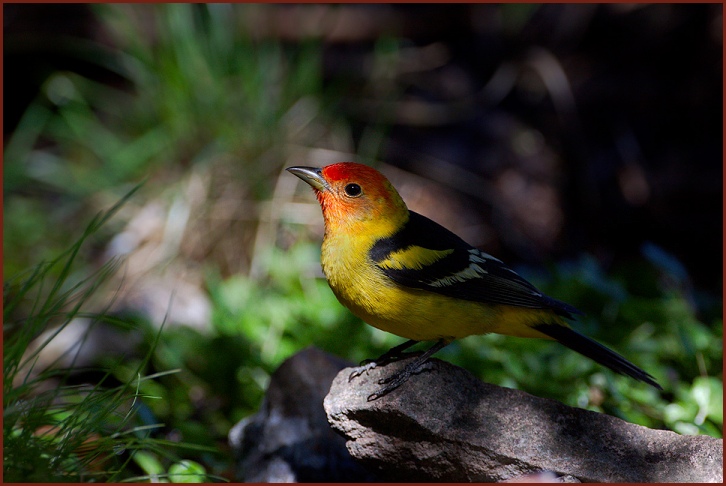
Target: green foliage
296, 308
187, 472
54, 430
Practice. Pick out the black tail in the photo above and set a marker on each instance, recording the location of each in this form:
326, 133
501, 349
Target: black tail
595, 351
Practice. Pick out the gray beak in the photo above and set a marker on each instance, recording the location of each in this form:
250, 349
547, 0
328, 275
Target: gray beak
311, 175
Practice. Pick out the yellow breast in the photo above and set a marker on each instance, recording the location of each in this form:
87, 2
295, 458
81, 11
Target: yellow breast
413, 313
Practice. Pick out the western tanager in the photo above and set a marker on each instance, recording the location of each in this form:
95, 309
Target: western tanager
407, 275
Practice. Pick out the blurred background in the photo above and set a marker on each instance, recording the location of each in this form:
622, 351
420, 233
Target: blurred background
581, 144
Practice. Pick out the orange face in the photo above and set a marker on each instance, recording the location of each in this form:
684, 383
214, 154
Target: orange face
351, 194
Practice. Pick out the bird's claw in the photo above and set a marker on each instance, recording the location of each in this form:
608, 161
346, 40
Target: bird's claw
397, 379
368, 364
426, 366
363, 368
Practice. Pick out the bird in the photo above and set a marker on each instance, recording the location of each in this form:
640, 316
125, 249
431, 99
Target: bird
405, 274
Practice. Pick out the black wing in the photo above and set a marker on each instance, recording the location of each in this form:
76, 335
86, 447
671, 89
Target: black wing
425, 255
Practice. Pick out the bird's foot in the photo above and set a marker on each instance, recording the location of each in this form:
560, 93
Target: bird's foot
394, 354
398, 379
364, 367
368, 364
416, 366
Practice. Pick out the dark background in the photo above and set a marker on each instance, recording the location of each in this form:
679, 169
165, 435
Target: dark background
581, 144
628, 131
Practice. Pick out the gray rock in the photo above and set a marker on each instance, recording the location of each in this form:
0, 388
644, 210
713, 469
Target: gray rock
446, 425
289, 439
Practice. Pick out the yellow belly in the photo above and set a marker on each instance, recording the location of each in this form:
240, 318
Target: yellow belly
419, 314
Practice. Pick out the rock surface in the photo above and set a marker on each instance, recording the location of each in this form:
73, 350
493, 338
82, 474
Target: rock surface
289, 439
446, 425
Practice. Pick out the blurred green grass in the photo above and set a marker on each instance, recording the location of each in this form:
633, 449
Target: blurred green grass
193, 93
59, 429
199, 102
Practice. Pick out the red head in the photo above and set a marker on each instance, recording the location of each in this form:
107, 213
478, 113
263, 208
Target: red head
353, 195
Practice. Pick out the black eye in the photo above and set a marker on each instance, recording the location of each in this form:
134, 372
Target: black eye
353, 190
